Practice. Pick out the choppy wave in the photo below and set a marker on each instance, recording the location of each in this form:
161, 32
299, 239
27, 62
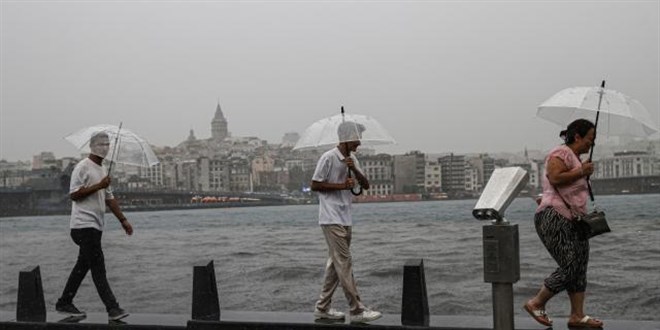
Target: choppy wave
272, 258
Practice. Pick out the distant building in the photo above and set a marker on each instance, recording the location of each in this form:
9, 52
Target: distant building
379, 171
627, 164
409, 173
305, 164
482, 166
290, 139
432, 176
472, 182
219, 129
453, 173
14, 174
262, 164
153, 174
45, 159
213, 174
239, 174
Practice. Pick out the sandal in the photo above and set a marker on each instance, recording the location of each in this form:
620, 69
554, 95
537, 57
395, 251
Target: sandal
586, 322
538, 314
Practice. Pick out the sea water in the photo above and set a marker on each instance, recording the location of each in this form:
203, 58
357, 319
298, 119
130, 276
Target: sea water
272, 258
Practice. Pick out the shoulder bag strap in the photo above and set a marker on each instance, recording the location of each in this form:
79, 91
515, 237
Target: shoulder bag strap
568, 206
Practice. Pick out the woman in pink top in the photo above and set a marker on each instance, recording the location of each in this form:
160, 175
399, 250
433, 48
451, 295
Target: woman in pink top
565, 193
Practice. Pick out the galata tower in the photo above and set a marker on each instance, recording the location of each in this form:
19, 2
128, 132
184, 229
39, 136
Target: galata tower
219, 125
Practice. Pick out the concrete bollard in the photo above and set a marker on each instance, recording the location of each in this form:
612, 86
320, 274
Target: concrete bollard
415, 305
30, 306
205, 304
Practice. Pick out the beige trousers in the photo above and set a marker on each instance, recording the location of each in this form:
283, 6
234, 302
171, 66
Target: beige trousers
339, 269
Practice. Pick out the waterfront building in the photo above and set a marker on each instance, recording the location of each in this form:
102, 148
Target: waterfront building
453, 175
14, 174
261, 164
472, 184
239, 174
379, 170
409, 173
479, 168
187, 175
627, 164
433, 176
153, 174
534, 169
213, 174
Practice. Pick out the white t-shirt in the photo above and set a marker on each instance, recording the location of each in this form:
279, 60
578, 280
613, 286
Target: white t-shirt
88, 212
334, 206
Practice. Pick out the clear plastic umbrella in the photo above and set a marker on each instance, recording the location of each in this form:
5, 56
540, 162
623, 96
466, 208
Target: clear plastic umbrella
126, 147
330, 131
615, 113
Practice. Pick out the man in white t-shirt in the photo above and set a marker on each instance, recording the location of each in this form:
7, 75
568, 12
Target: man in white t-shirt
90, 192
332, 181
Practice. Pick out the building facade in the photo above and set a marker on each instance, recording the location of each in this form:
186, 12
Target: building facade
380, 172
627, 164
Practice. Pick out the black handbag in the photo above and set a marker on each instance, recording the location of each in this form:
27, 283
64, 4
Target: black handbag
594, 223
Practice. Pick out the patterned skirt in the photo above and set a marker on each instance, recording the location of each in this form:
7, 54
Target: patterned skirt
565, 241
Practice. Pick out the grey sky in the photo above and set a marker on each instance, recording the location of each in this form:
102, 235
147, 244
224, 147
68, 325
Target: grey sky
440, 76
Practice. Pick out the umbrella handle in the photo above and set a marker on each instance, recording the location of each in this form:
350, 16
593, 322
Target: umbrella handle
355, 193
359, 192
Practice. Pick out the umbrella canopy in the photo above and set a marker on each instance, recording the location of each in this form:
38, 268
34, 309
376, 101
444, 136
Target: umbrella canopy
125, 147
620, 115
342, 128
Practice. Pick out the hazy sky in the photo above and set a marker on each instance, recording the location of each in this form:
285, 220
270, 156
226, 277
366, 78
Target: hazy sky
461, 76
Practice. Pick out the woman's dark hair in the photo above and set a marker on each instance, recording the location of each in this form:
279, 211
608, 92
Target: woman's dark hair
580, 127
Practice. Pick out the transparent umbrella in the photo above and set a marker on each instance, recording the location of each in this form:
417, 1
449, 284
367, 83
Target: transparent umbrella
343, 127
126, 147
331, 131
615, 113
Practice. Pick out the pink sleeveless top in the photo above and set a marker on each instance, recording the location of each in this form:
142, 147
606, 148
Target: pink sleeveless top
575, 194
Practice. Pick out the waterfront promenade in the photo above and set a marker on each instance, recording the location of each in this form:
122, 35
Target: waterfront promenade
282, 320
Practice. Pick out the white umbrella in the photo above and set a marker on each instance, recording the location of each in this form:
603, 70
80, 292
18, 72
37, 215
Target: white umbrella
325, 132
620, 115
126, 147
333, 130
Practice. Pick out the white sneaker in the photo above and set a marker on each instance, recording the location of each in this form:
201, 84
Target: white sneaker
330, 314
366, 316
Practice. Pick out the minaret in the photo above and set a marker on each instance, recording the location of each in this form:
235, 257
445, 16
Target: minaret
219, 125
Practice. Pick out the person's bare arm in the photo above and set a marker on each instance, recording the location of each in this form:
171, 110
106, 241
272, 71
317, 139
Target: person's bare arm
361, 178
327, 186
84, 192
113, 205
559, 174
